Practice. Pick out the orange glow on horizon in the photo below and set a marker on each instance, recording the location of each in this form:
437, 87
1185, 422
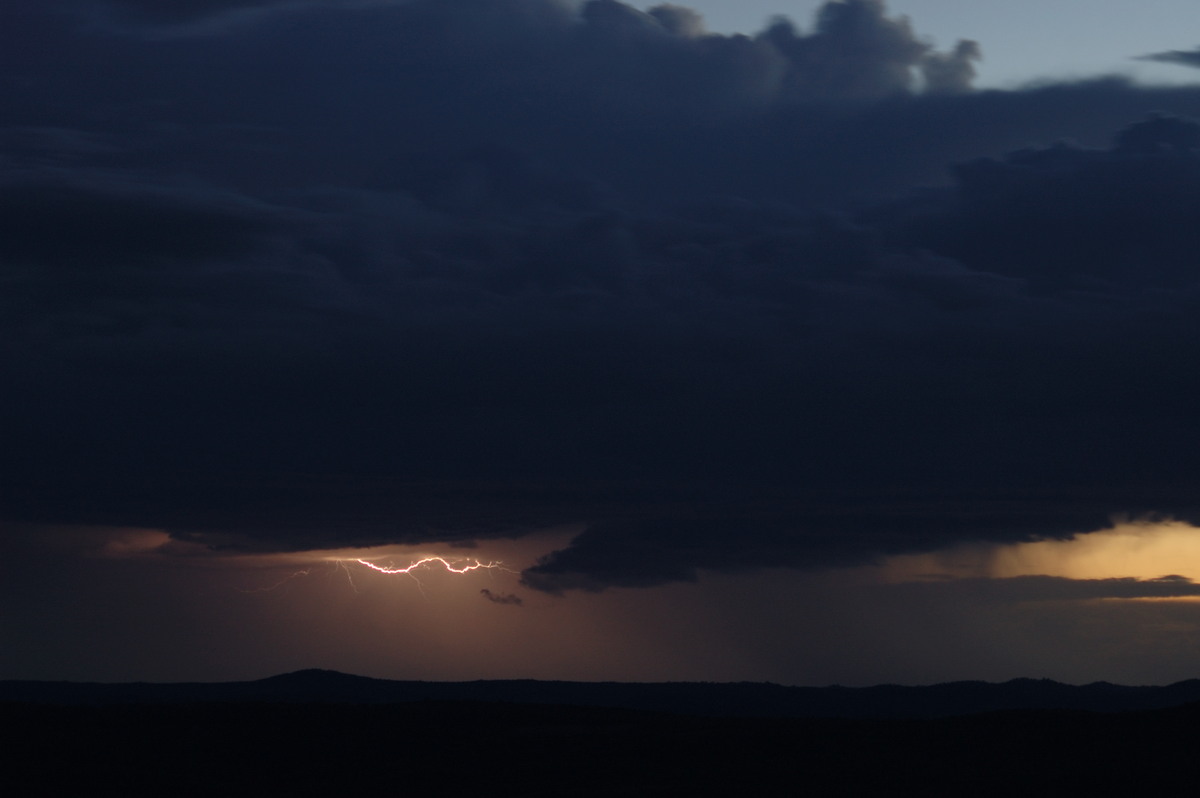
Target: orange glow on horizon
1143, 550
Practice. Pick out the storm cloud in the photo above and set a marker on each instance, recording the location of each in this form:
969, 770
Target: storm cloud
426, 271
182, 13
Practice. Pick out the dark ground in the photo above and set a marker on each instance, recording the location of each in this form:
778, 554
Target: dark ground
484, 748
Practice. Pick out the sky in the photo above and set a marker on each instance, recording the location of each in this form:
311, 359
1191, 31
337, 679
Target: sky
531, 339
1023, 41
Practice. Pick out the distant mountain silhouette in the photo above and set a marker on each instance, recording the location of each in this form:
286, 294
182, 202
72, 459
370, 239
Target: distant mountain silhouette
749, 700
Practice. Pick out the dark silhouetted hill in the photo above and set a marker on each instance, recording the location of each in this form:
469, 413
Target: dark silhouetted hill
751, 700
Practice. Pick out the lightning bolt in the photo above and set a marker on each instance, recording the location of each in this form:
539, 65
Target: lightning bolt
458, 567
454, 566
472, 565
341, 564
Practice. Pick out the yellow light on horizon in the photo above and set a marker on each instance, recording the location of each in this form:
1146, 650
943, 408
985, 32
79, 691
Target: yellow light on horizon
1138, 549
1129, 549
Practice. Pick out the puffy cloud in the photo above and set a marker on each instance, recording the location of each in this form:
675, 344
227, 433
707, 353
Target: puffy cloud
856, 51
679, 20
953, 71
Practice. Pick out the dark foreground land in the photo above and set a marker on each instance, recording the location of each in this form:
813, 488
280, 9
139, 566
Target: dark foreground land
468, 747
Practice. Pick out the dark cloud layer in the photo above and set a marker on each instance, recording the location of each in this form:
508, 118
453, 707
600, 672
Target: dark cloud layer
179, 14
185, 10
434, 271
1182, 57
1053, 588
